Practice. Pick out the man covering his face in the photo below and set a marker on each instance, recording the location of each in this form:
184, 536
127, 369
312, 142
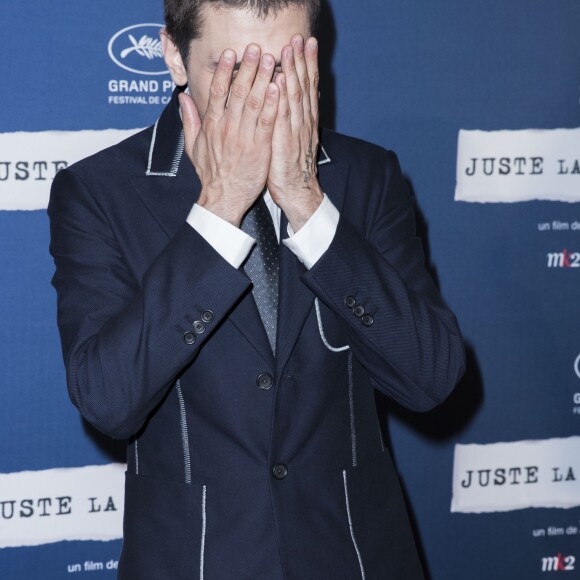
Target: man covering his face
234, 285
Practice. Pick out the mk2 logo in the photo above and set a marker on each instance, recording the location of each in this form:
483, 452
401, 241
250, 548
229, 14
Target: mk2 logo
558, 563
563, 259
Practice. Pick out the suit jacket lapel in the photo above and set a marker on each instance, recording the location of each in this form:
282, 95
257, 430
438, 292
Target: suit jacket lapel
168, 185
169, 199
246, 318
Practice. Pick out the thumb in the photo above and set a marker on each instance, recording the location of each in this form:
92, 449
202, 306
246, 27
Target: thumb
191, 120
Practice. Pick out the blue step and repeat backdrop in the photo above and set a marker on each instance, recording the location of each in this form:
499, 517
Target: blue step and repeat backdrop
481, 100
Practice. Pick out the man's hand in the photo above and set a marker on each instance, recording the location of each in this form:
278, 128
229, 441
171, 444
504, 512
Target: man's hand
232, 146
292, 177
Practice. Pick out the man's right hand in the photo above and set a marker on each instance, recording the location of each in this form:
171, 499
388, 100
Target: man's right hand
231, 147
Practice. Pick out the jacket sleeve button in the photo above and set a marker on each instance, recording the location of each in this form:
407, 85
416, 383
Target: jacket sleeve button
358, 311
207, 315
368, 320
189, 338
198, 327
350, 301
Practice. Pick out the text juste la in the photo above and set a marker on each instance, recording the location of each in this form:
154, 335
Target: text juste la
513, 476
51, 506
503, 166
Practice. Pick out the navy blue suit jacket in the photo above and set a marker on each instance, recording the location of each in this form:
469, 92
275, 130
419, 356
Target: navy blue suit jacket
230, 476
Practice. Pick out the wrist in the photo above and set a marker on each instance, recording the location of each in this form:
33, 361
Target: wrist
300, 212
224, 209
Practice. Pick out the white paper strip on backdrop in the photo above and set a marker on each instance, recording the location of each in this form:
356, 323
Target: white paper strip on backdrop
29, 161
512, 166
42, 507
501, 477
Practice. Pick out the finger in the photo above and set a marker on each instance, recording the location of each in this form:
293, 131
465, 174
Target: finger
257, 96
311, 57
294, 88
283, 117
297, 42
268, 114
191, 120
220, 84
244, 80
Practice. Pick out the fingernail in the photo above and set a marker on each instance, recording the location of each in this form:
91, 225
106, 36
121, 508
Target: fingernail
252, 50
229, 55
268, 60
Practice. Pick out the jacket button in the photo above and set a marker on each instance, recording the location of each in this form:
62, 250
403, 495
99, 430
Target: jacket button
264, 381
207, 315
189, 338
368, 320
350, 301
280, 471
358, 311
199, 327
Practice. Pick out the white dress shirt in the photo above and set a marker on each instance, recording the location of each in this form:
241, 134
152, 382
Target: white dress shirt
234, 245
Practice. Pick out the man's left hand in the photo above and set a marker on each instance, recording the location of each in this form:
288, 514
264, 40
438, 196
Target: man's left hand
292, 180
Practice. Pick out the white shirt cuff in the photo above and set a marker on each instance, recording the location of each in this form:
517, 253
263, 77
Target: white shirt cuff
230, 242
316, 235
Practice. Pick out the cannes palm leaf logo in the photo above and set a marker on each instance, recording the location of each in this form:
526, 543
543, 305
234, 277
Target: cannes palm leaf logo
137, 49
146, 46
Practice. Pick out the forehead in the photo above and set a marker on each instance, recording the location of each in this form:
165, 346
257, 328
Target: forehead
236, 28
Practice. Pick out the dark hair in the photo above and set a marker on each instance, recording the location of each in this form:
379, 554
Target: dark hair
184, 22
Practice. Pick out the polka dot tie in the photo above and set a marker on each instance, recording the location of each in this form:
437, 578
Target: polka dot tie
262, 265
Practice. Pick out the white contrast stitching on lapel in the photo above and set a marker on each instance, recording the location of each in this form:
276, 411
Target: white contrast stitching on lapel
176, 159
326, 157
151, 147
